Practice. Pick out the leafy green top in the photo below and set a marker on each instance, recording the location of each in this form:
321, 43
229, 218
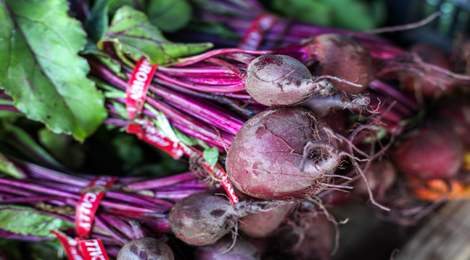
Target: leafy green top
41, 69
133, 33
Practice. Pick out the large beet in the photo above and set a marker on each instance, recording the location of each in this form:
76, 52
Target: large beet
281, 153
343, 57
434, 152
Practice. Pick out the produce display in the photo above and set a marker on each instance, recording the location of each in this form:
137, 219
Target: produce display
221, 129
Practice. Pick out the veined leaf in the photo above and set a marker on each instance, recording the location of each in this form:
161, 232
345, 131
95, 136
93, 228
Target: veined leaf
41, 69
21, 140
132, 31
26, 221
10, 168
211, 155
169, 15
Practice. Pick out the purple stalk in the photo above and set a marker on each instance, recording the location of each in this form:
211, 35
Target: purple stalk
217, 73
158, 225
27, 238
119, 225
190, 122
194, 59
48, 174
212, 114
212, 81
29, 199
176, 195
99, 223
9, 108
165, 203
194, 133
170, 112
113, 251
17, 191
384, 88
39, 189
233, 104
72, 199
205, 88
133, 200
162, 182
116, 122
286, 32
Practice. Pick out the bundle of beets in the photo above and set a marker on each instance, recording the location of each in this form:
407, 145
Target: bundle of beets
284, 132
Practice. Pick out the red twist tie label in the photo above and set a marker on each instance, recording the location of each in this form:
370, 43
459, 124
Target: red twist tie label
254, 35
138, 86
70, 246
218, 172
88, 205
145, 130
93, 249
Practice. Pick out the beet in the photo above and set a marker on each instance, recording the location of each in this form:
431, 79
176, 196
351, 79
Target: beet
432, 152
280, 80
431, 54
282, 153
345, 58
202, 218
455, 115
381, 176
145, 248
264, 223
424, 70
310, 241
242, 250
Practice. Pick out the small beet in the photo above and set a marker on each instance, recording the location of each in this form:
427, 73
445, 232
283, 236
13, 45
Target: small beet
345, 58
242, 250
203, 218
280, 80
145, 248
381, 176
264, 223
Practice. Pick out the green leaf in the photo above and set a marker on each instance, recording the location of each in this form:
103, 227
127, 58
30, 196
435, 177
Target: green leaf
114, 5
10, 168
352, 15
97, 21
22, 141
169, 15
126, 147
62, 147
40, 67
380, 134
26, 221
137, 37
346, 14
213, 29
309, 11
121, 109
211, 156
